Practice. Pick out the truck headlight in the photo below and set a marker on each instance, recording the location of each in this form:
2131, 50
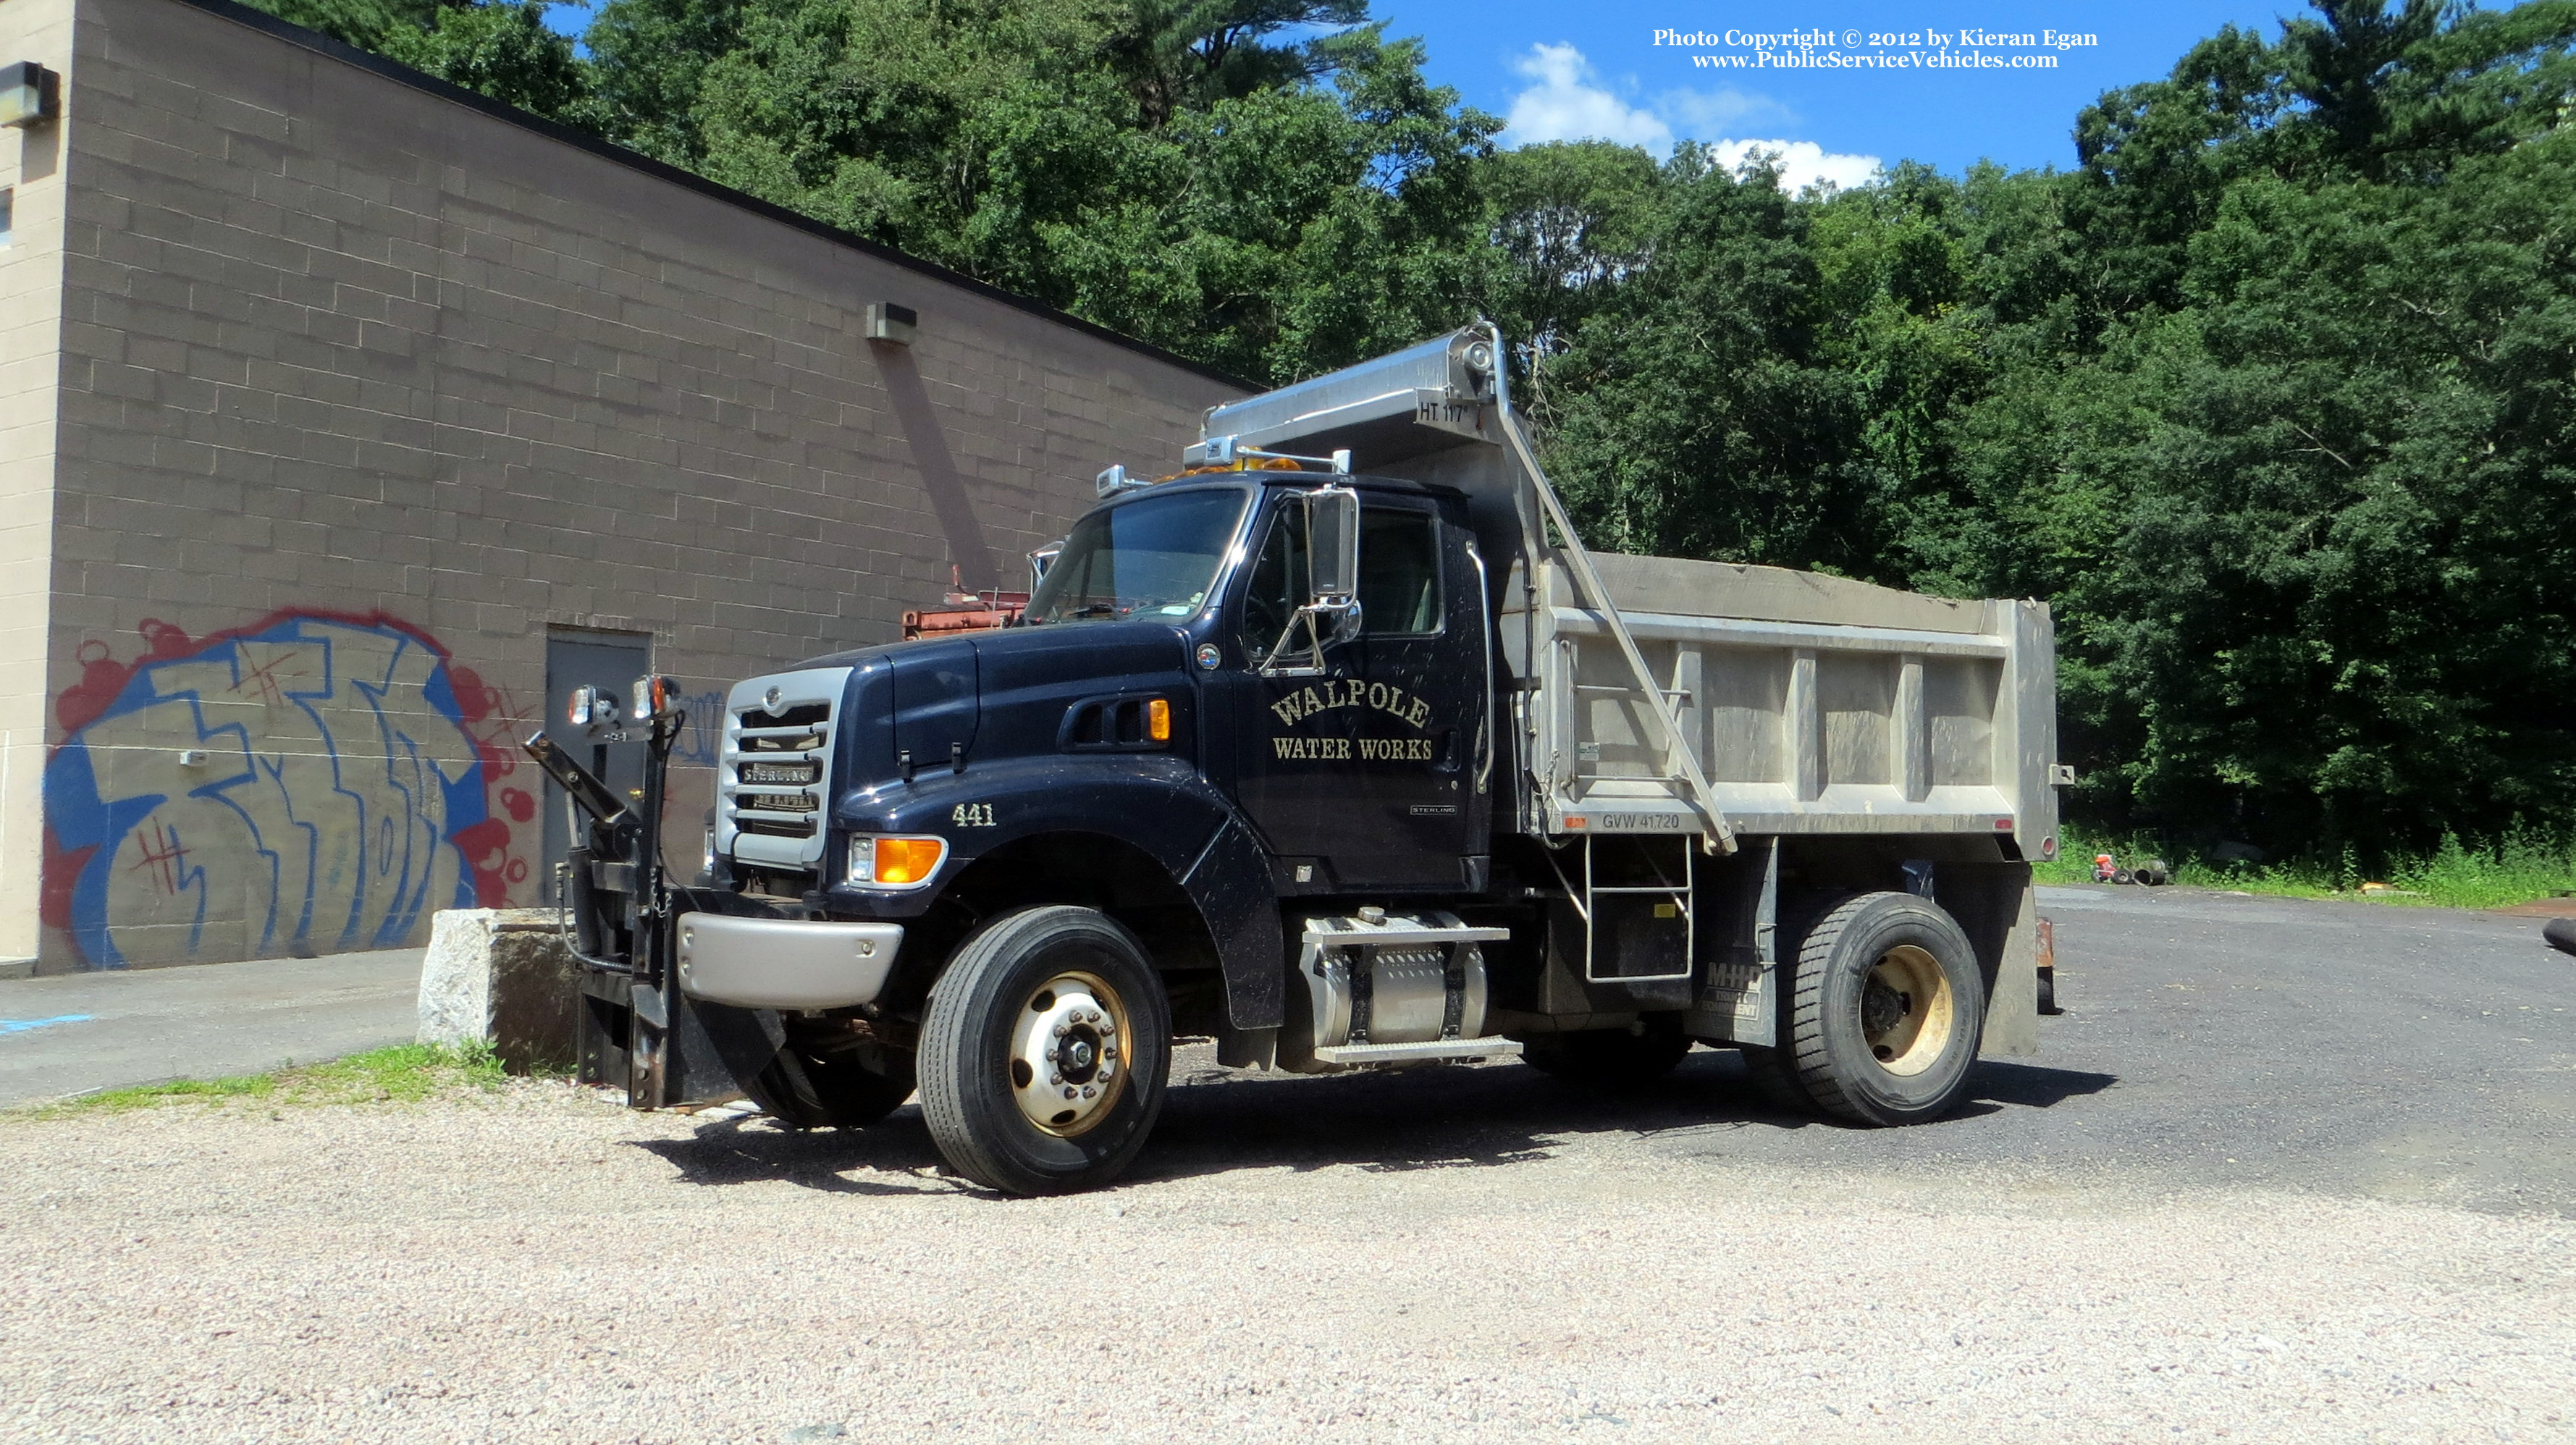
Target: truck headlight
894, 862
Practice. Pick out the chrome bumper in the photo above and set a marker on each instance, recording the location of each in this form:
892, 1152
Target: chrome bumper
784, 963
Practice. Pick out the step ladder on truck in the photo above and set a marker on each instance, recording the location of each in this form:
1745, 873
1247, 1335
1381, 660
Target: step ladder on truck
1336, 744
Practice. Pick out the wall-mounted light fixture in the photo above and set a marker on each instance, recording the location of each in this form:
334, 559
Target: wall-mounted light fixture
889, 322
29, 93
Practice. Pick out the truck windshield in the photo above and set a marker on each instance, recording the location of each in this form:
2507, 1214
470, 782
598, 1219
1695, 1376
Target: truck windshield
1152, 557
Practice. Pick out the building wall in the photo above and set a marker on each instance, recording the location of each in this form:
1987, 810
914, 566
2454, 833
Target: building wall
364, 389
31, 329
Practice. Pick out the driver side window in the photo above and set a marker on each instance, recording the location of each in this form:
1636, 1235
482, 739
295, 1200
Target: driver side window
1280, 583
1399, 576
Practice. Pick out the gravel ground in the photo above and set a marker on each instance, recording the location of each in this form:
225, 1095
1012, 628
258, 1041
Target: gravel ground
533, 1265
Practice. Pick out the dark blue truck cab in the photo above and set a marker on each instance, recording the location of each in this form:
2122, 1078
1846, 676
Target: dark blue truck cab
1340, 770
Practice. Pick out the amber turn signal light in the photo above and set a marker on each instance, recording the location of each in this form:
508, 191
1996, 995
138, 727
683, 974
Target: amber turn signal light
1158, 720
895, 862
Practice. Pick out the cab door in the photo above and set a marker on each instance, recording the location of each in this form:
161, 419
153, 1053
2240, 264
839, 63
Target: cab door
1367, 775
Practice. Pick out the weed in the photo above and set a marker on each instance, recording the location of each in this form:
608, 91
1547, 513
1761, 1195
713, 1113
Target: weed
403, 1073
2518, 869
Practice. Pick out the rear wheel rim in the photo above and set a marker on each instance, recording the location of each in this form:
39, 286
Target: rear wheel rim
1070, 1054
1906, 1010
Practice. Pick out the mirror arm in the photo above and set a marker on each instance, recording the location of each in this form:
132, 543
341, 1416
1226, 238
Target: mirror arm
1270, 665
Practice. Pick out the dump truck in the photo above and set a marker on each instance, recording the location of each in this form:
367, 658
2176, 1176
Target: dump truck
1336, 746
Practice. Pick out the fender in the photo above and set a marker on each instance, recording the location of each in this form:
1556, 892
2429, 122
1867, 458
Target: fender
1153, 801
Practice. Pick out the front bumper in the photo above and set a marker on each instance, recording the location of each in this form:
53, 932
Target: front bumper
784, 963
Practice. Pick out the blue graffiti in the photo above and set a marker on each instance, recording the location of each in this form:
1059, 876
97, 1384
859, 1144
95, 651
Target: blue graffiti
703, 733
295, 788
20, 1026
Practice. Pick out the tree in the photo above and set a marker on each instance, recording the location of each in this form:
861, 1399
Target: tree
503, 49
1181, 55
1698, 414
1566, 224
365, 24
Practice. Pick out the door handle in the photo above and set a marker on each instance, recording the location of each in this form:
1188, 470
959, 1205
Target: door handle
1444, 754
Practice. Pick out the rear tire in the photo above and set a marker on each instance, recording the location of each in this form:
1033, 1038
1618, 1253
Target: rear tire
1611, 1058
1886, 1011
1045, 1051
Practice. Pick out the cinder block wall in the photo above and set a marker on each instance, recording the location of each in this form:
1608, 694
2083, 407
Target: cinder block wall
364, 389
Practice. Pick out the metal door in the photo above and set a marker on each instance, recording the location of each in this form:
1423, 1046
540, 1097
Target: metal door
610, 662
1366, 777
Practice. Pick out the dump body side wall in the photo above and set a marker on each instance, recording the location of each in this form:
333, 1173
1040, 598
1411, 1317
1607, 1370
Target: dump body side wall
1813, 704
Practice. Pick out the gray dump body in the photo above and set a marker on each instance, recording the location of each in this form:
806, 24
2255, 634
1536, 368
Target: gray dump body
1811, 704
1805, 704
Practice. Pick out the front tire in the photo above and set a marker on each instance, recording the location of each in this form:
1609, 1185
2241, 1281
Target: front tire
1887, 1012
1045, 1052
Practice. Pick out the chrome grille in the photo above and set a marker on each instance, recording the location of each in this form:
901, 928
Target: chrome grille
776, 769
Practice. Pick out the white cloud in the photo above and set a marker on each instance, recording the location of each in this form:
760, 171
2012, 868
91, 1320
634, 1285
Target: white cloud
1568, 103
1700, 112
1568, 100
1802, 162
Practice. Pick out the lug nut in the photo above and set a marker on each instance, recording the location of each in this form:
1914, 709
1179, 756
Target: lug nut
1055, 1078
1088, 1091
1068, 1091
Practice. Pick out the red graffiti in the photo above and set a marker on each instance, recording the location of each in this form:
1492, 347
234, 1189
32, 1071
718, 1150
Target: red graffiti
103, 678
63, 868
263, 679
486, 846
162, 859
496, 721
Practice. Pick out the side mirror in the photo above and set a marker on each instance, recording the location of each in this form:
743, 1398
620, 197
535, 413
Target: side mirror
1331, 612
1333, 545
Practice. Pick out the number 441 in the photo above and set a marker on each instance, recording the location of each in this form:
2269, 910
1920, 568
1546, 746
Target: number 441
971, 815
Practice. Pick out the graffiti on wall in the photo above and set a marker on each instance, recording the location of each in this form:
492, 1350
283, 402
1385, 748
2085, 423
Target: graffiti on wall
312, 783
702, 734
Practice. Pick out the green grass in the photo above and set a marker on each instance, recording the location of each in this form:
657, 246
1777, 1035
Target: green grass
2456, 875
403, 1073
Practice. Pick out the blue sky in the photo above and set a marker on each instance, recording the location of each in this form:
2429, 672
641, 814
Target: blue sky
1560, 71
1596, 69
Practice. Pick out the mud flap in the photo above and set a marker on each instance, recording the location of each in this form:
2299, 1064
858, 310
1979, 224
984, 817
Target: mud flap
1229, 882
1998, 910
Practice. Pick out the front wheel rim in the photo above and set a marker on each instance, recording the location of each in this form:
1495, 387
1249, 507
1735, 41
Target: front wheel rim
1071, 1051
1907, 1011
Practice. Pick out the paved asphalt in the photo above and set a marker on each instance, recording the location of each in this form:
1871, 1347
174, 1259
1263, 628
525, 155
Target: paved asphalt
2209, 1040
2366, 1050
75, 1033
